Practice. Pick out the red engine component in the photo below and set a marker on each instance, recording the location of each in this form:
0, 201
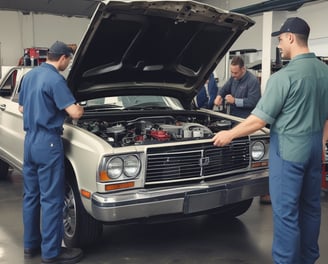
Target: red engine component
160, 135
139, 138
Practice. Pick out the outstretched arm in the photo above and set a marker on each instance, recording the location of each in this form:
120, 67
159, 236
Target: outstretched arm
248, 126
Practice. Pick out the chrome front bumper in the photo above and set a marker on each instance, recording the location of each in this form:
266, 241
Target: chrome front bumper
143, 203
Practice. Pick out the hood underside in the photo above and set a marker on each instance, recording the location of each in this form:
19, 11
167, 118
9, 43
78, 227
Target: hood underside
152, 47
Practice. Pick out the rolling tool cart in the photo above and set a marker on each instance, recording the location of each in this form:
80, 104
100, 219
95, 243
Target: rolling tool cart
33, 56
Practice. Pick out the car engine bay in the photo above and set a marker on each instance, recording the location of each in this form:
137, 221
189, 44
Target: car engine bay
154, 129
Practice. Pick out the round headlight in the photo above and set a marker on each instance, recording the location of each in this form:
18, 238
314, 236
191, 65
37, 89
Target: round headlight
258, 150
131, 166
114, 168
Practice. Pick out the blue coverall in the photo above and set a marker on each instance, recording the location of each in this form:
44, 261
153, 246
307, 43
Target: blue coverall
44, 96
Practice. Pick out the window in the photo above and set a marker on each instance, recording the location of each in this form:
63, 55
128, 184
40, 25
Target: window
9, 85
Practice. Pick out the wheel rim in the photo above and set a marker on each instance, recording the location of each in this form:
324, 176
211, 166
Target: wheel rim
69, 212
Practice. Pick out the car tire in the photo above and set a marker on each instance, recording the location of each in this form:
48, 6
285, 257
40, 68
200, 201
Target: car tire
4, 169
233, 210
80, 229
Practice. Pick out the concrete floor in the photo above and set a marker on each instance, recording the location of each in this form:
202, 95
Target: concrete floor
199, 240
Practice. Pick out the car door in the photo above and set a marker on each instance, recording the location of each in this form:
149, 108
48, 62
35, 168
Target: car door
11, 122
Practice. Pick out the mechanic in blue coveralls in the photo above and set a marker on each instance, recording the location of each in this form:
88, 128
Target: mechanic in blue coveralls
241, 92
45, 100
207, 94
295, 104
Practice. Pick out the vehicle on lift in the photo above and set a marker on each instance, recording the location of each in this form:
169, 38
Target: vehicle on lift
141, 152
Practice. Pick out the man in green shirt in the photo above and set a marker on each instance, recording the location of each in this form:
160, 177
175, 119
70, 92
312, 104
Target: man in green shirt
295, 104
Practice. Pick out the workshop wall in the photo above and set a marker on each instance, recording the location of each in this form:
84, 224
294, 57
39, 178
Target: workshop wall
10, 38
18, 31
314, 13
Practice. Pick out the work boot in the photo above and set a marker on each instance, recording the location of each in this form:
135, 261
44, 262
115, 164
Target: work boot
31, 252
66, 256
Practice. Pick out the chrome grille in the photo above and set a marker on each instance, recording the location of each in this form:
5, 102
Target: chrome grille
194, 162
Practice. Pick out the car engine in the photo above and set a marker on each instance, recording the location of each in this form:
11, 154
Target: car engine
153, 129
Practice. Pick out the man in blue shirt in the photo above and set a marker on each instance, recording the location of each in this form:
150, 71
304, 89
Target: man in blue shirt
241, 92
295, 104
45, 100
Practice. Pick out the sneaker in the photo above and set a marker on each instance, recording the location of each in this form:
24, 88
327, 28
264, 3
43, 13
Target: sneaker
66, 256
31, 252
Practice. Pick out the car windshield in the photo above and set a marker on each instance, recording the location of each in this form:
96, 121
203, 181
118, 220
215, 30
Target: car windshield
134, 102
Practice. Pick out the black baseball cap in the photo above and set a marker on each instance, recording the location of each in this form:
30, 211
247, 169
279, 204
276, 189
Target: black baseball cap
60, 48
294, 25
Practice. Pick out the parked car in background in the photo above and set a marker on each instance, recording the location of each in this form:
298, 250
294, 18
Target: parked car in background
140, 152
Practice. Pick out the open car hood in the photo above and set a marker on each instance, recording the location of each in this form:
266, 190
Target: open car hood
152, 47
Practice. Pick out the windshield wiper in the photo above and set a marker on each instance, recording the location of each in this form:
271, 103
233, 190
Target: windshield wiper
147, 107
102, 107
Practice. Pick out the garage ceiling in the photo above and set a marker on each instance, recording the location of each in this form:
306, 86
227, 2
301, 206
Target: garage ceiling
77, 8
85, 8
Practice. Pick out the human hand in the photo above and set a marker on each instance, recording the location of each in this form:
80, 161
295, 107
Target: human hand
230, 99
222, 138
218, 100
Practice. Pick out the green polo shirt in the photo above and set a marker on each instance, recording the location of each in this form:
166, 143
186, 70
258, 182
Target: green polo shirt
295, 103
